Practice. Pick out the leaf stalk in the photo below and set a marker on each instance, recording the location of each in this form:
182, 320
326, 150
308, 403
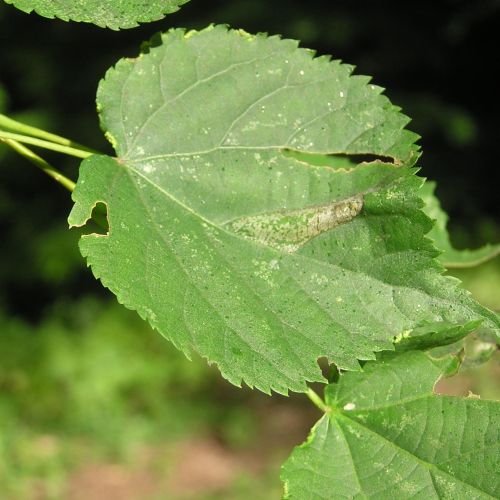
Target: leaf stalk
8, 124
42, 164
41, 143
317, 401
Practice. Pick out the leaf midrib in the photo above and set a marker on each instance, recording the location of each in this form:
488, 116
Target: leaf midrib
270, 147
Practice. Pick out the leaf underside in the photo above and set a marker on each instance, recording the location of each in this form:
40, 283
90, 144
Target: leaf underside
233, 246
114, 14
451, 257
388, 436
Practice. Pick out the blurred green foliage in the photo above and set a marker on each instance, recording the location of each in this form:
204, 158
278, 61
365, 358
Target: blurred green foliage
93, 378
105, 365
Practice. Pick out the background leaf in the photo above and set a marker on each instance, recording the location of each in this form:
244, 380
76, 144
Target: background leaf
234, 248
388, 436
113, 14
451, 257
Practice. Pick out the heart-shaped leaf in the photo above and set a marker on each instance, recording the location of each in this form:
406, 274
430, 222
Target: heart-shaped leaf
229, 241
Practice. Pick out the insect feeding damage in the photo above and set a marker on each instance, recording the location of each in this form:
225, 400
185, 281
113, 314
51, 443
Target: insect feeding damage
289, 230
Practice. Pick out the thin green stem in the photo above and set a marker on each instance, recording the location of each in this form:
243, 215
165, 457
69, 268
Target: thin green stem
40, 163
60, 148
11, 125
317, 400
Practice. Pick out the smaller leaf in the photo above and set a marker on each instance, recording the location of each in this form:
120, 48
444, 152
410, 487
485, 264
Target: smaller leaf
451, 258
386, 435
114, 14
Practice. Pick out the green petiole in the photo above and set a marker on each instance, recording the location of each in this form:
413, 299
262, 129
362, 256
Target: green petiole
13, 126
41, 143
40, 163
318, 402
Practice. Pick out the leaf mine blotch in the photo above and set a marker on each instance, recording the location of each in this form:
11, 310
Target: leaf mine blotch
287, 231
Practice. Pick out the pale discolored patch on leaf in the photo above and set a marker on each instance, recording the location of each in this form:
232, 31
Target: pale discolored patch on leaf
114, 14
288, 231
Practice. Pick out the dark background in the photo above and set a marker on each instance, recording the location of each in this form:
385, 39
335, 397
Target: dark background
81, 380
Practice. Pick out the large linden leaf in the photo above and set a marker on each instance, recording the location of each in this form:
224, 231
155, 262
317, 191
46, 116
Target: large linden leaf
451, 257
386, 435
113, 14
233, 247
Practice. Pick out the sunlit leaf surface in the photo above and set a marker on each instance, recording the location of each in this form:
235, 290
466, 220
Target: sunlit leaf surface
235, 247
386, 435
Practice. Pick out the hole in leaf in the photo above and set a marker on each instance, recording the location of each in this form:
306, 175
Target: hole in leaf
155, 41
98, 223
340, 160
365, 158
329, 370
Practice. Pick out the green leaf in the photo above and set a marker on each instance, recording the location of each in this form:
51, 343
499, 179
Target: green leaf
114, 14
451, 258
433, 336
232, 247
387, 435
